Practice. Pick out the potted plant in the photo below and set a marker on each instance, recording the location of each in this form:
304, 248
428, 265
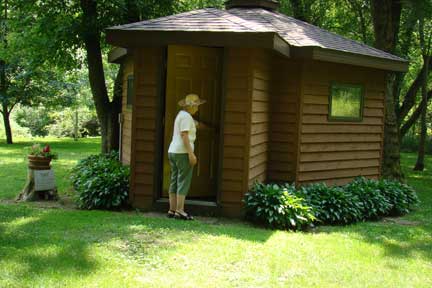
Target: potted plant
40, 157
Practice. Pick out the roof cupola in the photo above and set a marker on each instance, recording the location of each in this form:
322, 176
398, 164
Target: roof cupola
265, 4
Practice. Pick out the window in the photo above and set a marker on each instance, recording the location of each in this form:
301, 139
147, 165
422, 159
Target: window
129, 90
346, 102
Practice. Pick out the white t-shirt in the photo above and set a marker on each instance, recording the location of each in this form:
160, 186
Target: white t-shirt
183, 122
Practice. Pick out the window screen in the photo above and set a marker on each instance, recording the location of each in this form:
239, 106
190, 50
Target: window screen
346, 102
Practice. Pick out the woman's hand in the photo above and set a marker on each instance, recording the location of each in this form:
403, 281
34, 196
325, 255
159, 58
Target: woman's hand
192, 159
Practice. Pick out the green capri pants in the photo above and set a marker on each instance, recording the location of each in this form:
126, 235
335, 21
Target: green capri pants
181, 173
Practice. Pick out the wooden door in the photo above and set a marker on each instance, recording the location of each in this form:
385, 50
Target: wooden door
193, 69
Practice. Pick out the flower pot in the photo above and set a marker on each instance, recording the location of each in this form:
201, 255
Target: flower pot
39, 163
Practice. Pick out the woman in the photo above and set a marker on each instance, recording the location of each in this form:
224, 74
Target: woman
181, 156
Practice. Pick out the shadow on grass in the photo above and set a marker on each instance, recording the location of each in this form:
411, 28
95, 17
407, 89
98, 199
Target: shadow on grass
407, 236
47, 241
395, 239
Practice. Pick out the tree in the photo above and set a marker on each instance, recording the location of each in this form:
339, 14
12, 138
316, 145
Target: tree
59, 31
23, 81
386, 15
311, 11
424, 8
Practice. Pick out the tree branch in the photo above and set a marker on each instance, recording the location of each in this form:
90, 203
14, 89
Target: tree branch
410, 96
11, 108
414, 116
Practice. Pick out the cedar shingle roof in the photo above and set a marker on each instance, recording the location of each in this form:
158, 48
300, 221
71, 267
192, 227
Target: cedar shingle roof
295, 32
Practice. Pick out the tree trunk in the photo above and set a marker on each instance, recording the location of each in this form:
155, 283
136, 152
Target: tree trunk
386, 21
391, 168
419, 166
104, 110
116, 109
7, 126
30, 194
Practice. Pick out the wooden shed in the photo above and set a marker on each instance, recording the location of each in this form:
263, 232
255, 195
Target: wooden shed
287, 101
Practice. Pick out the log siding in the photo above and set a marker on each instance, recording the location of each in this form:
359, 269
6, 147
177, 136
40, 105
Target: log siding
284, 120
336, 152
236, 138
147, 62
260, 116
126, 112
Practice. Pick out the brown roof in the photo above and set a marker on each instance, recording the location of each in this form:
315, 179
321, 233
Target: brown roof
295, 32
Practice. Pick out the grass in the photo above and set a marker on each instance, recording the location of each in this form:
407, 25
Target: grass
13, 162
69, 248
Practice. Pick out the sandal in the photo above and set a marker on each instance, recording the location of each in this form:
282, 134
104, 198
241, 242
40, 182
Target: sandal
171, 213
184, 216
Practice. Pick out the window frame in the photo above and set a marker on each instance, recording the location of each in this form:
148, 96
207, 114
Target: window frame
129, 92
345, 118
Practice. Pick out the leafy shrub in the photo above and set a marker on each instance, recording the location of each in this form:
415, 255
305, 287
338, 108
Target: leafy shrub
402, 197
90, 127
374, 202
36, 120
332, 205
64, 126
101, 182
284, 206
275, 207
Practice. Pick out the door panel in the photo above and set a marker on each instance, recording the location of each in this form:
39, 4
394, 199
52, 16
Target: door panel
195, 70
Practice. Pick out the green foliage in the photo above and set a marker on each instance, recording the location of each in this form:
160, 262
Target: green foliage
35, 119
401, 197
274, 206
64, 125
382, 197
18, 131
410, 143
374, 203
332, 205
277, 206
101, 182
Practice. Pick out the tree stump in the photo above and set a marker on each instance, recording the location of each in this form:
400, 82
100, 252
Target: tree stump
29, 192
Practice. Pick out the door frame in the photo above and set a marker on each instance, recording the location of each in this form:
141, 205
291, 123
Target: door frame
160, 125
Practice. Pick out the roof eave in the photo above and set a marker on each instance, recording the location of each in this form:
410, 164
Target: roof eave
336, 56
116, 55
139, 38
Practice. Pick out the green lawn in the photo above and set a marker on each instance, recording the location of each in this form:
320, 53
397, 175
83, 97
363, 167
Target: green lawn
13, 162
67, 248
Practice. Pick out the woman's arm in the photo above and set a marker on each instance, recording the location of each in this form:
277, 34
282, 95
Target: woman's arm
201, 125
186, 142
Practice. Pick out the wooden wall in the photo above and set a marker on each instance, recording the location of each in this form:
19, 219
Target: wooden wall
147, 62
336, 152
236, 138
260, 122
284, 118
260, 115
127, 113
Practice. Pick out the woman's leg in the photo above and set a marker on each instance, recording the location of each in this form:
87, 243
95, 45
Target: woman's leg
180, 203
172, 191
172, 201
184, 180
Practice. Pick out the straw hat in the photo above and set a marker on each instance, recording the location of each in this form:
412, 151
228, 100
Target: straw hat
191, 100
